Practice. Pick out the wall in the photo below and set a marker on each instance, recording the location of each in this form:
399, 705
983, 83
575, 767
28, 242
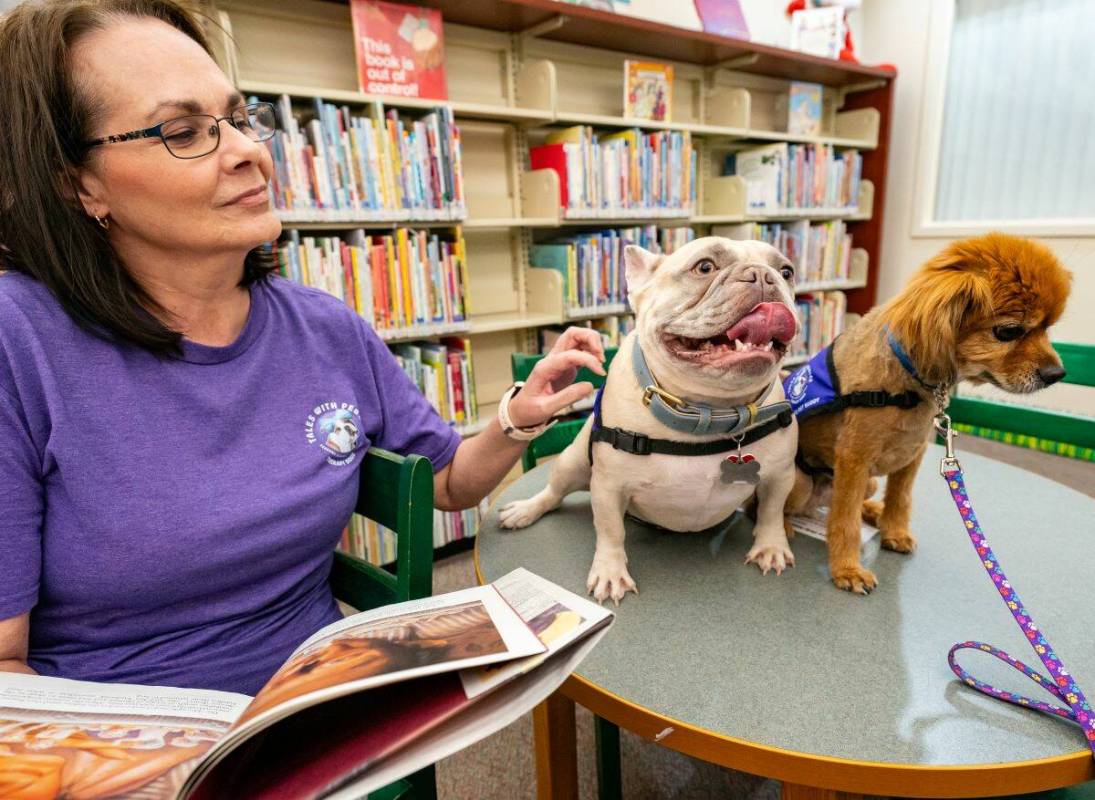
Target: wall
896, 31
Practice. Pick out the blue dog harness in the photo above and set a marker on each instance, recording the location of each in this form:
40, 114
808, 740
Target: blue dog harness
814, 388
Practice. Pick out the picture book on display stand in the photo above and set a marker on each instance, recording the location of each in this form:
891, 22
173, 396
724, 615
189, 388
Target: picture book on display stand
400, 49
648, 90
363, 702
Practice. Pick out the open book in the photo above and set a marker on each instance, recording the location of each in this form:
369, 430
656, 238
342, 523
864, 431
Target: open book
363, 702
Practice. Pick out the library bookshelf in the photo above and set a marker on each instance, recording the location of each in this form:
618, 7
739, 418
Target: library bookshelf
518, 68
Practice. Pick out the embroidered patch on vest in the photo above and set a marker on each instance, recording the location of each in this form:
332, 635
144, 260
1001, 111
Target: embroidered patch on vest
810, 387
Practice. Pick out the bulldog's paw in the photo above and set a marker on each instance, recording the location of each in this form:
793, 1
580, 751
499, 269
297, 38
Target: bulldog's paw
854, 578
899, 541
521, 513
608, 577
771, 556
872, 512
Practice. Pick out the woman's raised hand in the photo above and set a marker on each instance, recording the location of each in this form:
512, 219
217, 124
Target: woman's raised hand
550, 387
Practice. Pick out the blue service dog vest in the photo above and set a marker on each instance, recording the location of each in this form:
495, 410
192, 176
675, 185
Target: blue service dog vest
814, 388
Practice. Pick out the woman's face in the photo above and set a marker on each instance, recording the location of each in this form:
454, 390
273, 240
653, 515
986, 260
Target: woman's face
137, 73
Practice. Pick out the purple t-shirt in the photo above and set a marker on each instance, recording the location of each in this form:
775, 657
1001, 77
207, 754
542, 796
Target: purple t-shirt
172, 521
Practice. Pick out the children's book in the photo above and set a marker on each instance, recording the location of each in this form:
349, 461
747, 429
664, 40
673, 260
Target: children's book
648, 90
362, 703
559, 257
763, 169
804, 109
818, 31
400, 49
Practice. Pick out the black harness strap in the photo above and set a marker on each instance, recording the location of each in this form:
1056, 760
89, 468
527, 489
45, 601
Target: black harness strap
876, 399
861, 398
640, 444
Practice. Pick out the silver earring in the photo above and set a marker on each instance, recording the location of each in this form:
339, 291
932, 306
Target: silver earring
104, 222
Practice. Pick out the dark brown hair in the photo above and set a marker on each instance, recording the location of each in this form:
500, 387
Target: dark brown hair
44, 231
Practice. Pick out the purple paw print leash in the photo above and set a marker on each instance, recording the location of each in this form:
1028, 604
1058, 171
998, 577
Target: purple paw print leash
1060, 683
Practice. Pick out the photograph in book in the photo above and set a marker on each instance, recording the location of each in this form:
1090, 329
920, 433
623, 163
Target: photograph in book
83, 756
378, 647
556, 616
84, 741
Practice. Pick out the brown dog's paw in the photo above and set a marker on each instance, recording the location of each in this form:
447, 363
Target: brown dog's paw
872, 512
855, 579
900, 542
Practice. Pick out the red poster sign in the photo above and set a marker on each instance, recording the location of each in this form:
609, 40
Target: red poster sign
400, 50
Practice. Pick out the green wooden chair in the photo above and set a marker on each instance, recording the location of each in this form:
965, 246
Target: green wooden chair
397, 492
1050, 431
551, 443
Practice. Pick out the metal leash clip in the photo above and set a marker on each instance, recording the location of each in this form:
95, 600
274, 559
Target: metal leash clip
949, 463
670, 399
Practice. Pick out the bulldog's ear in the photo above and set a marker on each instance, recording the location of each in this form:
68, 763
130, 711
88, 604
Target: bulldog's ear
640, 265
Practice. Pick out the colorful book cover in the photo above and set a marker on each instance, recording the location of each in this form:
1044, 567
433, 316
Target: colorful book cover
400, 49
804, 109
763, 170
462, 346
648, 90
818, 31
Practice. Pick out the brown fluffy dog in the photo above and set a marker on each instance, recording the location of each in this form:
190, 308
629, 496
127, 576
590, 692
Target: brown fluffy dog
978, 311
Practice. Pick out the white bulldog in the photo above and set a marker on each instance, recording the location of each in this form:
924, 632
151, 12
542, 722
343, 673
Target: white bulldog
713, 321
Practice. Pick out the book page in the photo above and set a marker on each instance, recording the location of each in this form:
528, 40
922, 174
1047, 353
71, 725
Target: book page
76, 739
400, 642
491, 713
556, 616
322, 746
814, 527
297, 756
377, 648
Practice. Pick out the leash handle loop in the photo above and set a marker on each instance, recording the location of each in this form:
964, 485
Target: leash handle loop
1060, 682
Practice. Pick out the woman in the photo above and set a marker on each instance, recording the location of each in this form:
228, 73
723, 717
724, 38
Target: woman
170, 487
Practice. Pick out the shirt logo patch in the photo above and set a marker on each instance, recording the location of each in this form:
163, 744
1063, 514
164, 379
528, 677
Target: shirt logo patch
336, 427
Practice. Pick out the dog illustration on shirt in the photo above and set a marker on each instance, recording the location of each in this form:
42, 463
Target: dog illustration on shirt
342, 432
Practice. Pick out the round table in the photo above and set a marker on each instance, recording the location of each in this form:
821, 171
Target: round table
790, 678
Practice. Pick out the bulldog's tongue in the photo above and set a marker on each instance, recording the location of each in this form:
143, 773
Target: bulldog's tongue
764, 323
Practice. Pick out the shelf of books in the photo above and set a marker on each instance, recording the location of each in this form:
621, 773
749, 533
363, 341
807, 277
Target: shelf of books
471, 187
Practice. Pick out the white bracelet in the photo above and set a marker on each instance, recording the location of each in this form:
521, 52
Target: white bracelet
511, 430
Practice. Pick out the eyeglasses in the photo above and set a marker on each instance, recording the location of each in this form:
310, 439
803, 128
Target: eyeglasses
199, 135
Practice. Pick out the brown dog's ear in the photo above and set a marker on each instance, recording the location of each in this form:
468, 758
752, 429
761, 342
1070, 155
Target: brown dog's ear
640, 265
927, 317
